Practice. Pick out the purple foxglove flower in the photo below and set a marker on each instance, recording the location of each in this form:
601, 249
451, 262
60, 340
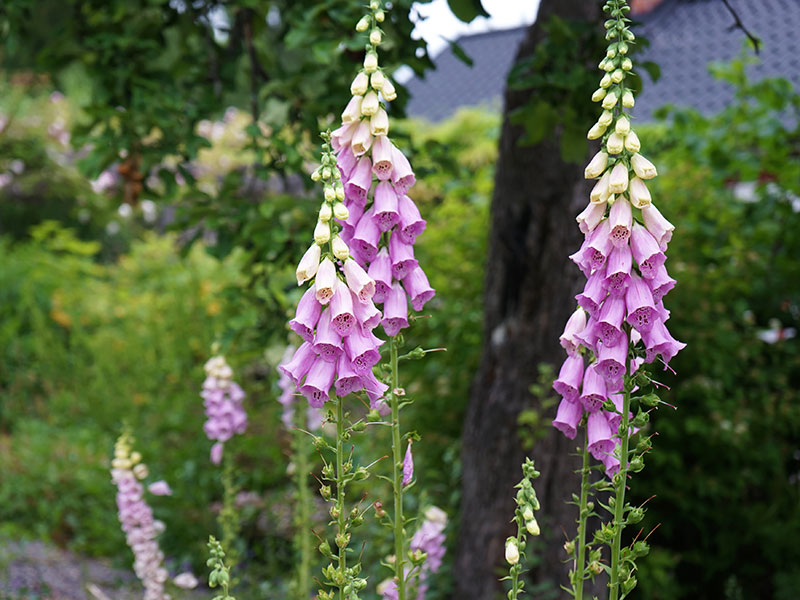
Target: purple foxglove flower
380, 270
593, 294
659, 341
609, 320
347, 379
362, 349
375, 390
300, 363
411, 223
382, 158
596, 249
658, 226
362, 138
614, 419
325, 283
342, 316
361, 284
639, 302
408, 466
569, 378
346, 162
418, 289
402, 255
575, 324
589, 336
594, 389
386, 213
611, 363
367, 314
308, 311
327, 342
618, 270
620, 220
402, 175
318, 382
599, 433
430, 538
395, 310
216, 453
611, 463
356, 211
646, 251
358, 185
663, 312
661, 283
590, 217
567, 418
367, 235
159, 488
340, 138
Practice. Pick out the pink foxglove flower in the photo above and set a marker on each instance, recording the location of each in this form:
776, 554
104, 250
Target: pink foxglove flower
408, 466
222, 399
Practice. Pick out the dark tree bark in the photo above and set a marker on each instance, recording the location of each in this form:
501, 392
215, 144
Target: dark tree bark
530, 289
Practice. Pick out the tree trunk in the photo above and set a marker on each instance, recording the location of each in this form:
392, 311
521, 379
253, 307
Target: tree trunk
529, 294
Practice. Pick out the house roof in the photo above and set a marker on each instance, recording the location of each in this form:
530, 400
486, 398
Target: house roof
685, 36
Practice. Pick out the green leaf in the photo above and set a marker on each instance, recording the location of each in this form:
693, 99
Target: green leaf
460, 54
467, 10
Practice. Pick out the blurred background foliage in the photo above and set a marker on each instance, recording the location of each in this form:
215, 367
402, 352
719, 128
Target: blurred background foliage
135, 237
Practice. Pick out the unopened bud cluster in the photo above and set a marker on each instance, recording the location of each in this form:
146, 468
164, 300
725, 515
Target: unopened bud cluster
527, 503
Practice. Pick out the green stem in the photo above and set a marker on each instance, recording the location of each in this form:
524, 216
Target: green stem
340, 484
228, 519
397, 460
303, 517
619, 496
583, 515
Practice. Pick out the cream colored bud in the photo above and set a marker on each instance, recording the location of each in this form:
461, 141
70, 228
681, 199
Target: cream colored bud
632, 143
325, 212
602, 64
308, 264
596, 166
527, 514
371, 62
322, 233
627, 64
352, 112
598, 95
374, 5
627, 99
512, 551
618, 180
605, 82
316, 175
363, 24
340, 211
360, 85
377, 80
609, 66
370, 104
533, 527
605, 118
121, 463
375, 37
596, 131
340, 249
610, 101
643, 167
617, 76
330, 194
326, 173
140, 471
380, 16
622, 126
611, 53
339, 189
388, 90
600, 193
640, 195
615, 143
379, 123
136, 457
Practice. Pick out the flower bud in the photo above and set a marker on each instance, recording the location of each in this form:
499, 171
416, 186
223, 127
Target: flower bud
627, 99
371, 62
605, 118
527, 514
370, 104
352, 112
388, 90
618, 180
325, 211
140, 471
375, 37
643, 167
605, 82
379, 123
377, 80
340, 249
308, 264
532, 527
596, 166
632, 143
374, 5
596, 131
340, 211
614, 143
339, 190
612, 51
627, 64
610, 101
629, 35
598, 95
330, 195
609, 66
600, 193
622, 126
322, 233
136, 457
617, 76
326, 173
316, 175
512, 551
363, 24
380, 16
359, 85
622, 47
